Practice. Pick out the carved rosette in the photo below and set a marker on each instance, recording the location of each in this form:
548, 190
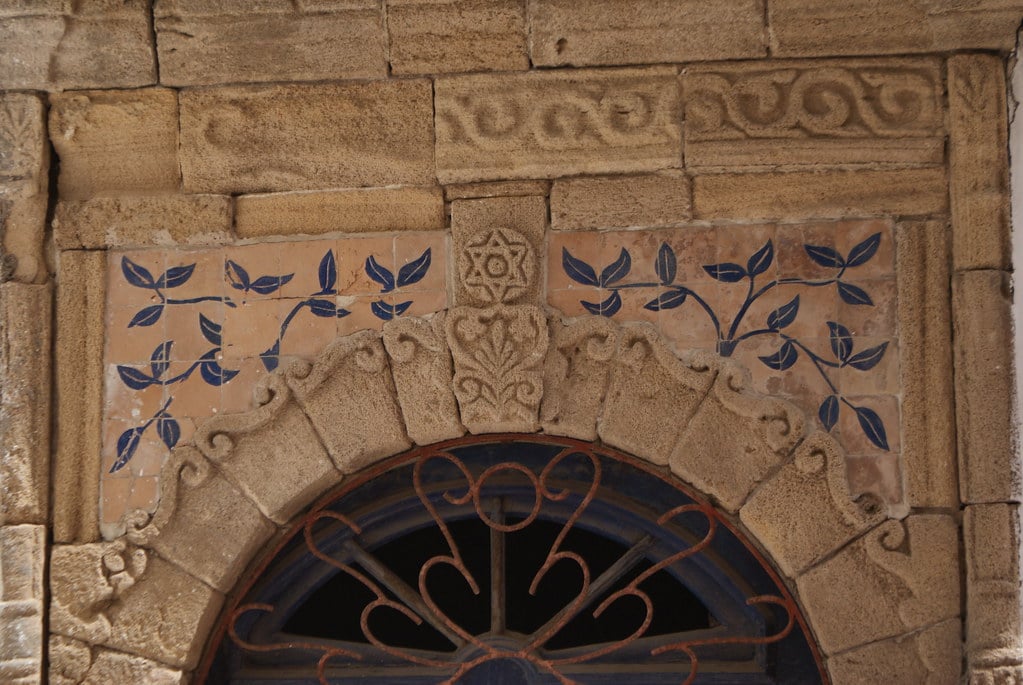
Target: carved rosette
497, 266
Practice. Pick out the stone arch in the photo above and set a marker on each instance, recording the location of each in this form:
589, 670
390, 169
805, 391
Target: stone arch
877, 592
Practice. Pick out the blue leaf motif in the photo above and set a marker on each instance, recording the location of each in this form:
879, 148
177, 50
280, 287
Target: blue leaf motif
160, 359
862, 253
380, 274
236, 275
137, 274
211, 330
414, 271
666, 264
134, 379
382, 310
841, 340
783, 315
667, 300
175, 276
761, 260
825, 256
868, 359
323, 308
169, 430
328, 274
127, 443
617, 270
342, 312
578, 270
264, 285
873, 426
783, 358
212, 372
828, 412
270, 357
402, 307
146, 316
852, 294
608, 307
726, 273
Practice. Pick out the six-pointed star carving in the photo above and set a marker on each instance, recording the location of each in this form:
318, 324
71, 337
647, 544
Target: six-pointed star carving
497, 263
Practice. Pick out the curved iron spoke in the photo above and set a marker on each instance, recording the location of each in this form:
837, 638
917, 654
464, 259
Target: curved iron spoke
497, 570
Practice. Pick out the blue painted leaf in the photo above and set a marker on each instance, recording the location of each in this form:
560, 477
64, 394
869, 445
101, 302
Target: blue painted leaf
324, 308
783, 315
825, 256
828, 413
666, 265
852, 294
841, 340
134, 379
761, 260
136, 274
617, 270
667, 300
160, 359
862, 253
382, 310
127, 443
868, 359
578, 270
147, 316
608, 307
414, 271
270, 357
783, 358
328, 274
236, 275
873, 426
380, 274
213, 373
211, 330
402, 307
175, 276
264, 285
169, 431
342, 312
726, 273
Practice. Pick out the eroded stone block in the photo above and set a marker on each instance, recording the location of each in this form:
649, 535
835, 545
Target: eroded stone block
24, 186
663, 199
468, 191
930, 657
72, 663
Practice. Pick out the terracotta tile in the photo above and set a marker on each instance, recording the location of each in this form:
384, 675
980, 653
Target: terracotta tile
694, 248
817, 306
410, 247
790, 249
303, 259
877, 475
877, 320
642, 248
848, 234
207, 275
261, 261
804, 380
688, 327
307, 333
882, 379
126, 344
568, 301
852, 435
738, 245
192, 397
428, 302
352, 255
633, 301
764, 379
114, 493
145, 265
250, 328
237, 395
149, 454
361, 317
145, 494
122, 402
757, 314
189, 333
582, 245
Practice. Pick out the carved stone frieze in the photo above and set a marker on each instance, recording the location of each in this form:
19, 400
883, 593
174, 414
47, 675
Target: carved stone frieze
497, 266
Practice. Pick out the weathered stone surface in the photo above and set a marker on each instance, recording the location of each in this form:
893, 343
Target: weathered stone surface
498, 243
69, 660
576, 376
645, 31
735, 439
24, 180
925, 359
349, 396
878, 27
827, 194
994, 620
343, 135
813, 113
23, 142
58, 45
203, 523
445, 36
895, 579
930, 657
498, 354
805, 511
272, 453
25, 338
549, 124
72, 663
663, 199
143, 220
115, 141
652, 395
423, 376
201, 43
464, 191
22, 569
979, 164
988, 468
344, 211
81, 301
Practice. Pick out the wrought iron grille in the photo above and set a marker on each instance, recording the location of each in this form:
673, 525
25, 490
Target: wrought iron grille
513, 559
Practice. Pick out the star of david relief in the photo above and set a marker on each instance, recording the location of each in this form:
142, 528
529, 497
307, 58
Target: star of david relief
497, 266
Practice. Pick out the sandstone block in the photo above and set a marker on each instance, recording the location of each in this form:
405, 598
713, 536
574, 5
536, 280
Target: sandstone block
893, 580
978, 162
359, 210
620, 202
272, 453
143, 220
349, 396
23, 563
113, 667
204, 44
814, 113
431, 37
652, 395
344, 135
988, 468
576, 122
115, 141
21, 642
24, 185
876, 27
930, 657
805, 511
645, 31
497, 244
58, 45
823, 195
69, 660
423, 377
925, 358
465, 191
81, 302
23, 144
